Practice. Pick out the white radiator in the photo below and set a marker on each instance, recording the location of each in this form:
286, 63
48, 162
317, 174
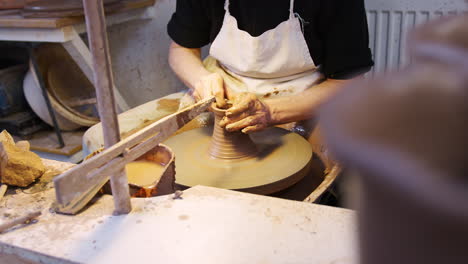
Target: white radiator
390, 20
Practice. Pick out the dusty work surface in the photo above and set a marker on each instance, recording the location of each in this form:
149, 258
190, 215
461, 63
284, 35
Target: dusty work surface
207, 225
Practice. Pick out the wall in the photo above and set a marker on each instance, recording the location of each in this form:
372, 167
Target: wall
391, 20
139, 55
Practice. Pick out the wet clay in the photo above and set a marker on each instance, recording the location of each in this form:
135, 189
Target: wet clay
229, 145
263, 163
166, 105
144, 124
144, 173
170, 105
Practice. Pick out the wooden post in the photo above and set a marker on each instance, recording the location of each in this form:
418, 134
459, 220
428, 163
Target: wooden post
104, 82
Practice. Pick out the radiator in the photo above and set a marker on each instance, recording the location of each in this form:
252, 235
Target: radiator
390, 20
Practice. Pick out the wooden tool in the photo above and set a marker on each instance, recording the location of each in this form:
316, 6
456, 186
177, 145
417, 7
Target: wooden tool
19, 221
75, 188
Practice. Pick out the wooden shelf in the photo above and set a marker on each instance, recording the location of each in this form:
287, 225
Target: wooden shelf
9, 20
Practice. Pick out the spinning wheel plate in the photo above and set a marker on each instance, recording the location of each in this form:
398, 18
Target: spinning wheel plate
282, 160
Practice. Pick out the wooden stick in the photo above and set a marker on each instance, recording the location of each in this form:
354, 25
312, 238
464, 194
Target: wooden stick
19, 221
320, 190
104, 82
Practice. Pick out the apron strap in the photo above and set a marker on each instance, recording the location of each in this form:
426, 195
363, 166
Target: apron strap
226, 6
291, 9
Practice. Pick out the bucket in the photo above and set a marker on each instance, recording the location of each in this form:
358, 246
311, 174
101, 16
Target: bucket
161, 155
71, 94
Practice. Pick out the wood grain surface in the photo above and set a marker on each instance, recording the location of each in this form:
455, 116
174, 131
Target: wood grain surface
18, 21
59, 5
104, 83
11, 4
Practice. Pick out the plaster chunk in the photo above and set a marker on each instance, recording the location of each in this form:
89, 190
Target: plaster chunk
18, 166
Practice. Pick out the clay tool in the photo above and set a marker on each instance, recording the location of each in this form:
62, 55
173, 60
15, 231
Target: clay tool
75, 188
19, 221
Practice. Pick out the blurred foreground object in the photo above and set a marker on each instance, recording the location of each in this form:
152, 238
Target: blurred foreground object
406, 137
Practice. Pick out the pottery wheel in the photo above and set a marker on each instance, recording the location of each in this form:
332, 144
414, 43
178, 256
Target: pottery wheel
282, 158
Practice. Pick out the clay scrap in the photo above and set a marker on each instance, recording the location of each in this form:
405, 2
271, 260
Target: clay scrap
18, 166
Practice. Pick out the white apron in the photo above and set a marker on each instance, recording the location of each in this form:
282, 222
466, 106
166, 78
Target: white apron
276, 63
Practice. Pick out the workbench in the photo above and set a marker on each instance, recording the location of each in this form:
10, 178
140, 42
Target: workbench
67, 32
206, 225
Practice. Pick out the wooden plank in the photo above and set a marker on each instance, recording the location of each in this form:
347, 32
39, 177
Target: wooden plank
11, 4
63, 10
9, 12
17, 21
74, 185
59, 35
19, 221
104, 83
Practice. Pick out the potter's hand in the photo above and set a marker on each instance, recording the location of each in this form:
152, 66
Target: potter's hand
211, 85
247, 114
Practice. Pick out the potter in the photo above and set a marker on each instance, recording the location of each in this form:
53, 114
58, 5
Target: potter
277, 61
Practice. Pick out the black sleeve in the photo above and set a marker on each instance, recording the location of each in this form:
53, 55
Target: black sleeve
190, 25
346, 39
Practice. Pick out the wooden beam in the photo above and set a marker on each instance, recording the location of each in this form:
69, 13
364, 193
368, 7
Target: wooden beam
82, 56
104, 83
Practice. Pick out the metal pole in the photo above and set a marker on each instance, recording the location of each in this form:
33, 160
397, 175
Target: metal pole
40, 79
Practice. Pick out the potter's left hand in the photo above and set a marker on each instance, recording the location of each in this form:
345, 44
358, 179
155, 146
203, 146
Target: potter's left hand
247, 114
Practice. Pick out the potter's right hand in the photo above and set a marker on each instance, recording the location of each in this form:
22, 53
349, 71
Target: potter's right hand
211, 85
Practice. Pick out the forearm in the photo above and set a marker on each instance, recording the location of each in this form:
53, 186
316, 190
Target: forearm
304, 105
187, 64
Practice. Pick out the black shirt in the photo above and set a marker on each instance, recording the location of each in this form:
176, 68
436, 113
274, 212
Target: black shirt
335, 30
